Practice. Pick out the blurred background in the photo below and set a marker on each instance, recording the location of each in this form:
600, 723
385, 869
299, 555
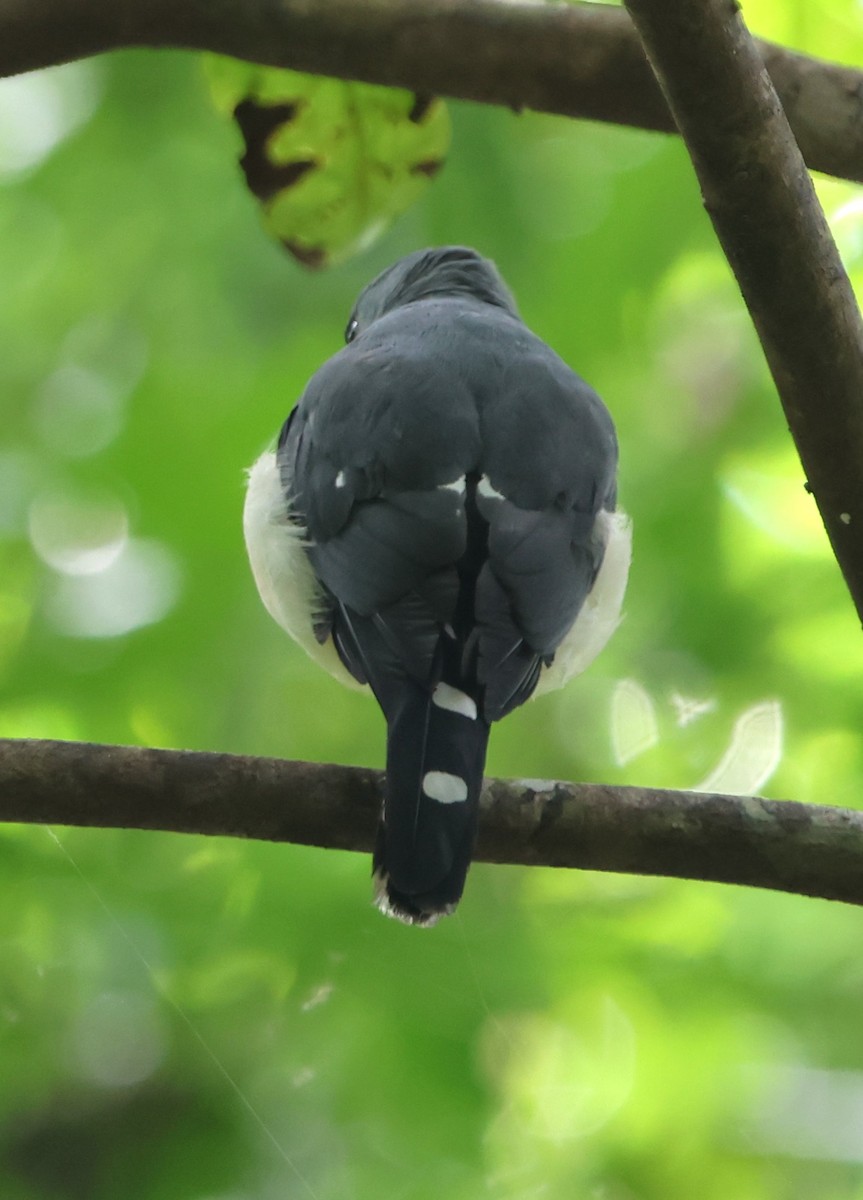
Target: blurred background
204, 1019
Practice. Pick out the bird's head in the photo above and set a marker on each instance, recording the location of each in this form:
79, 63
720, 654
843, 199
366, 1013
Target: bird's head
440, 271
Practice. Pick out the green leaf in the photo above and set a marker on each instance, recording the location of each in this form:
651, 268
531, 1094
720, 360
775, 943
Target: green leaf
332, 163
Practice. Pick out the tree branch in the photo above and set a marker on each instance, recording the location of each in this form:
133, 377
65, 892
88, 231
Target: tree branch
776, 238
577, 60
807, 849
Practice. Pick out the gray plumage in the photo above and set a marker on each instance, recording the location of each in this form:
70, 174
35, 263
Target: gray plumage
453, 480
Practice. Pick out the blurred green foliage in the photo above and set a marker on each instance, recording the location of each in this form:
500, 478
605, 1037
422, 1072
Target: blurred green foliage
192, 1019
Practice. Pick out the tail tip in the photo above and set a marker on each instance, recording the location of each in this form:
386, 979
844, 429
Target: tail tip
402, 908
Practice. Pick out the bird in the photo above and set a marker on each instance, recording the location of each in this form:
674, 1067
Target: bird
438, 523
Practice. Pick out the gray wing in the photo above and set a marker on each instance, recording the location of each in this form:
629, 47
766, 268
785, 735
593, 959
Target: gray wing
418, 485
366, 462
550, 463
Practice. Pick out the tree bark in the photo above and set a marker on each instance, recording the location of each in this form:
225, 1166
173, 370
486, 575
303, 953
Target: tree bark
807, 849
760, 198
577, 60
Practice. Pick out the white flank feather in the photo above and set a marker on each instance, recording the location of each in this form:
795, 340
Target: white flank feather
600, 615
284, 575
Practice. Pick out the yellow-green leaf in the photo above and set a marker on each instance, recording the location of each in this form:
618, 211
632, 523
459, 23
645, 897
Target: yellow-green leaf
332, 163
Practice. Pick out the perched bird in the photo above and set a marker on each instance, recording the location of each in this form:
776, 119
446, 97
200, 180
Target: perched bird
438, 522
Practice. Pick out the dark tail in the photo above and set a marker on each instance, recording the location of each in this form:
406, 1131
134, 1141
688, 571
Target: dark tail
436, 746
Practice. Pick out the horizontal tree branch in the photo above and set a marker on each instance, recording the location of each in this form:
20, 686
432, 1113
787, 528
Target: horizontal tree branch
807, 849
577, 60
774, 233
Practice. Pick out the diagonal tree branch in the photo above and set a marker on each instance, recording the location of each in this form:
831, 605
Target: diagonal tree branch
807, 849
776, 238
577, 60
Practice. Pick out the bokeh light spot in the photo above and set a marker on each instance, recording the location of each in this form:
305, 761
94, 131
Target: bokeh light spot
138, 587
39, 110
78, 533
77, 412
634, 728
753, 754
119, 1039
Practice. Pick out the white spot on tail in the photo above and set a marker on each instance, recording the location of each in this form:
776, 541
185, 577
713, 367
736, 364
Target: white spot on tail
845, 518
340, 479
455, 701
487, 491
446, 789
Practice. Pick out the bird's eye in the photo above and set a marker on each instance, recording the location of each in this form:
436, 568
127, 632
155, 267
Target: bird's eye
351, 331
